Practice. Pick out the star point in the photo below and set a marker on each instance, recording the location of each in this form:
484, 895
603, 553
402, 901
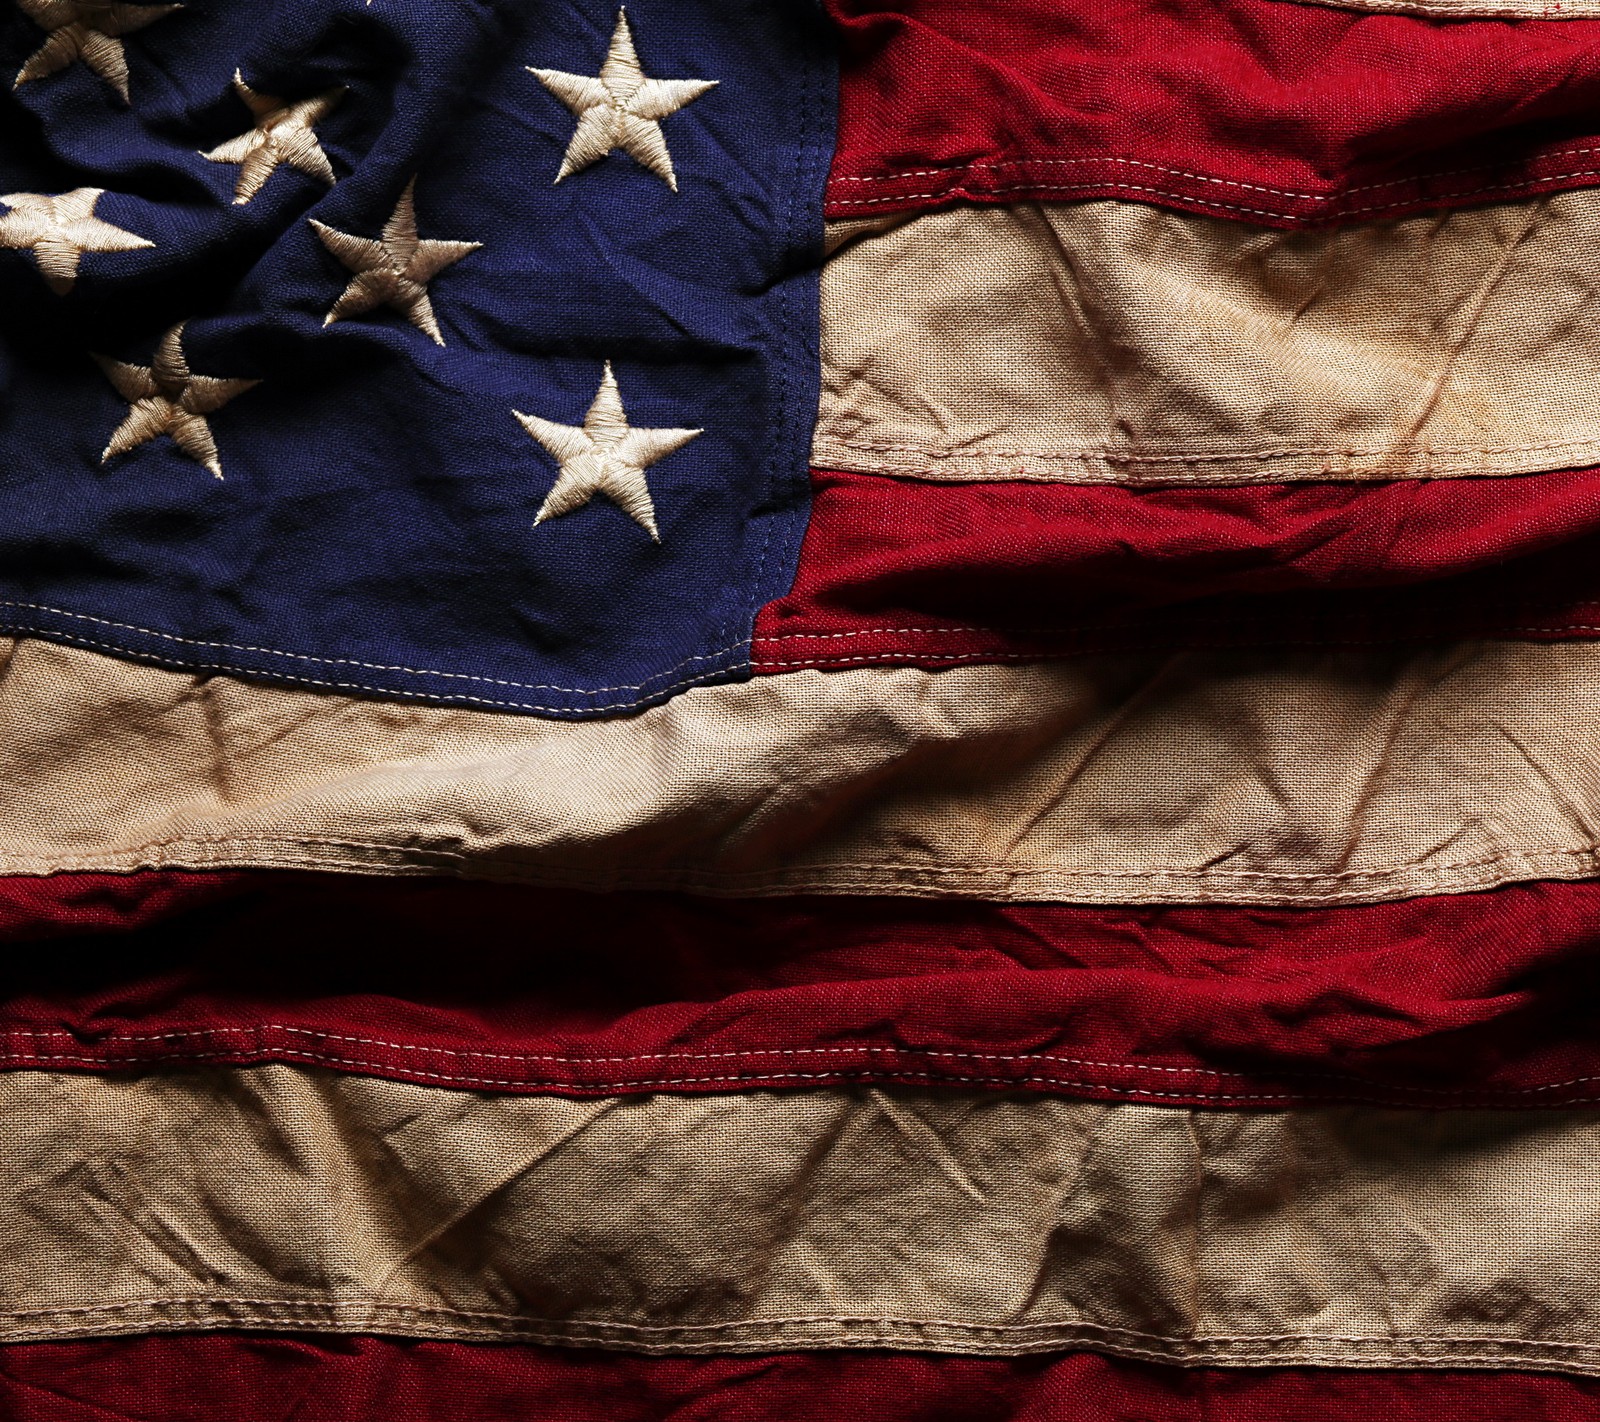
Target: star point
167, 398
283, 132
604, 455
59, 229
393, 269
90, 30
621, 107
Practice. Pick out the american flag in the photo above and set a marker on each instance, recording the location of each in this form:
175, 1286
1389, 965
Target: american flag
754, 709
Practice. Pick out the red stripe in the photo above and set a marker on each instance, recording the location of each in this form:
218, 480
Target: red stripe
897, 570
254, 1378
1250, 109
1479, 999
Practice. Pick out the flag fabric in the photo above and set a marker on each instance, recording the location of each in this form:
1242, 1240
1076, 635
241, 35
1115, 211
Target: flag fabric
742, 709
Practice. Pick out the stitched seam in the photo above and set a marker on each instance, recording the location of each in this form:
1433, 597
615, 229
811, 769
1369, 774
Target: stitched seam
1390, 885
1090, 186
895, 657
1305, 194
911, 658
1113, 456
349, 662
1374, 1096
788, 417
748, 1055
619, 1084
985, 164
1021, 869
1001, 630
1465, 11
439, 1326
431, 698
369, 1304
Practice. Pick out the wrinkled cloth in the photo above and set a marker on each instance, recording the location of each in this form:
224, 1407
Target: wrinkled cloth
369, 523
1115, 342
1297, 776
282, 1198
1450, 1001
1255, 110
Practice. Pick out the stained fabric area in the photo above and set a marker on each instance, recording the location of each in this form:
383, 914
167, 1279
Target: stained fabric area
1188, 350
1134, 779
766, 710
287, 1199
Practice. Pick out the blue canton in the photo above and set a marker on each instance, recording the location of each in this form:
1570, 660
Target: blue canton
459, 350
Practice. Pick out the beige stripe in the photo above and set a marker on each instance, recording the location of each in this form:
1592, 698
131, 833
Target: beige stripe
1474, 9
283, 1198
1110, 341
1290, 776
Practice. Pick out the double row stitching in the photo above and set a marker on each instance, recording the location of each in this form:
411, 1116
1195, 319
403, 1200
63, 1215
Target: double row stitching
1327, 201
980, 164
1025, 869
256, 1045
1115, 456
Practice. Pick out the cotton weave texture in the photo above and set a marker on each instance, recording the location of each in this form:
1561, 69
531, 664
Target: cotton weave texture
758, 709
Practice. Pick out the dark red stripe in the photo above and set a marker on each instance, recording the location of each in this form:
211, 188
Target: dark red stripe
900, 570
1477, 999
255, 1378
1255, 110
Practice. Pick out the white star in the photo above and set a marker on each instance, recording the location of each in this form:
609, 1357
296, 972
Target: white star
165, 398
88, 30
605, 457
283, 133
620, 108
394, 269
59, 230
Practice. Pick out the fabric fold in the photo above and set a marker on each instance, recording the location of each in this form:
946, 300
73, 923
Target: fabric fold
1453, 1001
1257, 111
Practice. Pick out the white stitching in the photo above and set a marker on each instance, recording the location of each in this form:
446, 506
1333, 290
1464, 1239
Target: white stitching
431, 698
410, 855
365, 666
1305, 193
256, 1046
346, 1303
1118, 456
1000, 189
999, 629
1444, 10
621, 1085
841, 204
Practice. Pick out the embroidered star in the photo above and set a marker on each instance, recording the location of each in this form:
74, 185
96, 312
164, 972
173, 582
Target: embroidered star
89, 30
59, 230
604, 456
620, 108
394, 269
166, 398
283, 133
